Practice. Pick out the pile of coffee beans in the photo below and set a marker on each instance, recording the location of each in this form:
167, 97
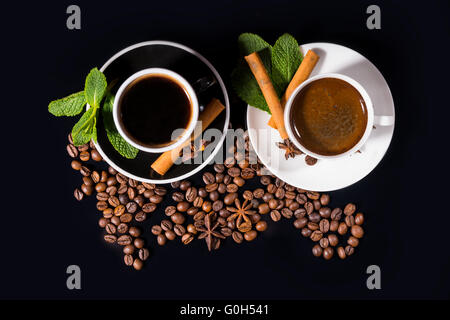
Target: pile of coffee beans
218, 209
123, 202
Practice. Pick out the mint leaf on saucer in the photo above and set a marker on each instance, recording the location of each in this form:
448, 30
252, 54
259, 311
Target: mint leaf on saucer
286, 58
117, 141
85, 129
95, 87
68, 106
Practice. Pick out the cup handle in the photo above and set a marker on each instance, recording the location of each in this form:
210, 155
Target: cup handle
384, 120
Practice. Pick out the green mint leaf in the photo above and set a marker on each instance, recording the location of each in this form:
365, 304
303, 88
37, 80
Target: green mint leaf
85, 129
69, 106
286, 58
117, 141
249, 43
95, 87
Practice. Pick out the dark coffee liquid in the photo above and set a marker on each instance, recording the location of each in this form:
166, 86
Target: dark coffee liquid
329, 116
152, 107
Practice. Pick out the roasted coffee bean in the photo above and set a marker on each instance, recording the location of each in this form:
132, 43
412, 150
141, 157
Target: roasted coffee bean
317, 205
202, 192
110, 238
101, 205
214, 196
131, 192
156, 199
328, 253
83, 147
78, 194
271, 188
199, 224
183, 206
156, 230
179, 230
110, 228
310, 161
324, 199
187, 238
170, 210
309, 207
95, 176
275, 215
234, 172
191, 194
217, 205
207, 206
123, 189
112, 200
317, 250
273, 203
191, 228
229, 198
238, 181
111, 190
224, 213
324, 242
100, 187
112, 171
132, 183
294, 206
227, 179
108, 213
128, 249
160, 191
333, 239
265, 180
306, 232
131, 207
219, 178
357, 231
115, 220
313, 195
231, 224
211, 187
85, 171
290, 195
349, 221
359, 219
122, 228
124, 240
261, 226
143, 254
72, 151
287, 213
102, 222
300, 213
88, 181
85, 156
139, 200
313, 226
184, 185
250, 235
140, 189
349, 209
324, 225
119, 210
123, 199
76, 165
279, 182
198, 202
222, 188
149, 207
208, 178
139, 243
161, 239
342, 229
341, 253
177, 196
135, 232
336, 214
300, 223
325, 212
301, 198
170, 235
237, 237
231, 188
219, 168
121, 178
255, 203
263, 208
229, 162
126, 217
287, 202
192, 211
267, 196
334, 225
166, 225
138, 264
258, 193
279, 193
226, 232
353, 241
349, 250
247, 173
178, 218
314, 217
95, 155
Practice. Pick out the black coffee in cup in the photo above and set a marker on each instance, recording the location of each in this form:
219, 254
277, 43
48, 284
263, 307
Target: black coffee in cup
152, 107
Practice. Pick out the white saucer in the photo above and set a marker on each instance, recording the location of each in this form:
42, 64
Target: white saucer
328, 175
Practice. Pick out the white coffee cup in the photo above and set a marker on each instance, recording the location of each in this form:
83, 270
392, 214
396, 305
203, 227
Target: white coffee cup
371, 118
179, 80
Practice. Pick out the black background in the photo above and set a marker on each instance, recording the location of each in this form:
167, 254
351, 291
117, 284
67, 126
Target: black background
44, 229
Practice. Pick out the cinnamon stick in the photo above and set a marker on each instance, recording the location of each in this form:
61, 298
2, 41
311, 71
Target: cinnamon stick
303, 72
266, 86
166, 160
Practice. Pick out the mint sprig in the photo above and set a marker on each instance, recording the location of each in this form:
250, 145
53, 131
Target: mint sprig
86, 128
281, 62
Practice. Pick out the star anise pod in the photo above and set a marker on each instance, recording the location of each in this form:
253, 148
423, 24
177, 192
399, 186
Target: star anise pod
289, 148
209, 232
241, 212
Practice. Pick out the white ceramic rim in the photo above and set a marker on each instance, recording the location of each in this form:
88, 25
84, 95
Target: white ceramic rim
227, 111
183, 83
357, 86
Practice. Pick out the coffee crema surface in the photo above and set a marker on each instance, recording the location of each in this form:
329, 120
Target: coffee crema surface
152, 107
328, 116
